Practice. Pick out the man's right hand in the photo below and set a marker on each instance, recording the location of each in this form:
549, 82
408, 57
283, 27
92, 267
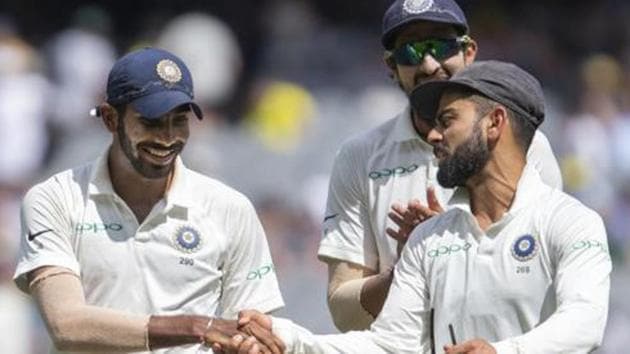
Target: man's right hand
257, 324
220, 333
253, 336
407, 218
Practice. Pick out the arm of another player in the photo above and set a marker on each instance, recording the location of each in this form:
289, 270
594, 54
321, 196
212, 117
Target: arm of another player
355, 289
402, 326
356, 294
76, 326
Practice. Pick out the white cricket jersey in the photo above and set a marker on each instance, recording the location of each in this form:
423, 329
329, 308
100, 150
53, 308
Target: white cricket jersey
537, 281
389, 164
201, 250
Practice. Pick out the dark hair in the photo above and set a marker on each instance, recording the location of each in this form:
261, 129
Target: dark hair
120, 109
522, 128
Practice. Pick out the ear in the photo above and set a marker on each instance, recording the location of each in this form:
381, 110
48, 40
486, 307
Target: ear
497, 123
470, 51
110, 117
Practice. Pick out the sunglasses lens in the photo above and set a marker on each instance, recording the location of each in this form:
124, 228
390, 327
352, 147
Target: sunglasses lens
444, 49
413, 53
407, 54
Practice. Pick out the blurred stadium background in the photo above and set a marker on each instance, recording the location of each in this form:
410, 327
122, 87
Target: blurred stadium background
283, 83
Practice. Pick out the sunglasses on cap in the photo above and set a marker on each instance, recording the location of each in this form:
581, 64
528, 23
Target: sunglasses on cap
412, 53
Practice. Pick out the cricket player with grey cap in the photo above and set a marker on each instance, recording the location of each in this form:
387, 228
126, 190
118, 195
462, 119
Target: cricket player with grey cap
380, 175
513, 266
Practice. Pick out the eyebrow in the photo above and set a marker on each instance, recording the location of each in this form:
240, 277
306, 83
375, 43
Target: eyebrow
444, 112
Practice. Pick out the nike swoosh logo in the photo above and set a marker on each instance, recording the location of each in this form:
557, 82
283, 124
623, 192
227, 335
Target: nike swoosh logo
330, 217
31, 236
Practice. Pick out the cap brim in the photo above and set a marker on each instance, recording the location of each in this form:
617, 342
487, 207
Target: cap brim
425, 98
387, 39
160, 103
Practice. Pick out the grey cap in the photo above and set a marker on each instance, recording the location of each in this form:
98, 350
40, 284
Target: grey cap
404, 12
502, 82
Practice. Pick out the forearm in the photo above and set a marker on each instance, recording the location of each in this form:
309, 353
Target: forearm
92, 328
76, 326
299, 340
374, 292
346, 309
575, 329
355, 295
171, 331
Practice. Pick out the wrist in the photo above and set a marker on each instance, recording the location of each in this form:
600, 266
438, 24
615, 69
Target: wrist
169, 331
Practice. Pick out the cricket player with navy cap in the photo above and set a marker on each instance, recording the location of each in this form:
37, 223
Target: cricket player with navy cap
384, 181
134, 252
513, 266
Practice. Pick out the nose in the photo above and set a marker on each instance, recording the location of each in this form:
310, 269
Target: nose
166, 132
429, 65
434, 136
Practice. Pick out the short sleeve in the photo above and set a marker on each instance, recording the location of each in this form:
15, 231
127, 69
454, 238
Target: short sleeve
250, 279
347, 231
46, 233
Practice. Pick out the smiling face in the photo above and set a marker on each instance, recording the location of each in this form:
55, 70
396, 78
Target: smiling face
458, 140
152, 145
430, 68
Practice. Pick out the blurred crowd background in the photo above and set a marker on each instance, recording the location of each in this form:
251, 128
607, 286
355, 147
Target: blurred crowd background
283, 83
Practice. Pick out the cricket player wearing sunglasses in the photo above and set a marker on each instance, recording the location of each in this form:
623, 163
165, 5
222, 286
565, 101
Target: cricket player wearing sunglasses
383, 181
513, 266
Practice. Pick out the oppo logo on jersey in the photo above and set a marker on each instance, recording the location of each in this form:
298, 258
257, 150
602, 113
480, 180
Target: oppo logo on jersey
586, 244
446, 250
260, 272
396, 171
96, 227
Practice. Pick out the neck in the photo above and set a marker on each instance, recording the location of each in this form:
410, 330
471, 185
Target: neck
492, 191
138, 192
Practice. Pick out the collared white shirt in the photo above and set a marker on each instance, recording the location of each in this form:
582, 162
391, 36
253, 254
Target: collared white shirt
389, 164
201, 250
537, 281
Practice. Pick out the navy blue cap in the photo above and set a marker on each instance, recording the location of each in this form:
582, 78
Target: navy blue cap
403, 12
153, 81
502, 82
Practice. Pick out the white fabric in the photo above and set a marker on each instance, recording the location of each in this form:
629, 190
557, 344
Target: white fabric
555, 302
541, 157
143, 268
388, 164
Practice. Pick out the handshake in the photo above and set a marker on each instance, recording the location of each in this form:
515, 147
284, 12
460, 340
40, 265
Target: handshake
250, 334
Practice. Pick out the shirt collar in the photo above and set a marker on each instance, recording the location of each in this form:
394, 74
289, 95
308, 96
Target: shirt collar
527, 188
404, 130
178, 193
101, 184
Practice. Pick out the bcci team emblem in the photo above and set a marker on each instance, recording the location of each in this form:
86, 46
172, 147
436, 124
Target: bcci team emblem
168, 71
525, 248
417, 6
187, 239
